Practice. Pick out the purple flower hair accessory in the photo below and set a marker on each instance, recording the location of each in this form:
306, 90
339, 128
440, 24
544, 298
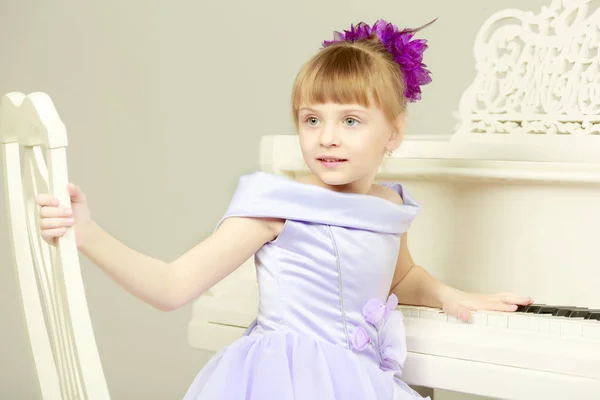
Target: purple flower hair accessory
407, 53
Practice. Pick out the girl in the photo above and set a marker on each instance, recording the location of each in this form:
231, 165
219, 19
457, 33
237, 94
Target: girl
330, 249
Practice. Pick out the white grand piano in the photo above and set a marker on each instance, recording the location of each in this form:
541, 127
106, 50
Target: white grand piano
510, 202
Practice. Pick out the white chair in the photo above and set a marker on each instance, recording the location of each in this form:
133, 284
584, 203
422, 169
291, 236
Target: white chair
33, 137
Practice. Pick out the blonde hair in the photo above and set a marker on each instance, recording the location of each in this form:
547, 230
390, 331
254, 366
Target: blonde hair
351, 73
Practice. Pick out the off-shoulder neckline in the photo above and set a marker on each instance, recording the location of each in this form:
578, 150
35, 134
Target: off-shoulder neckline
322, 189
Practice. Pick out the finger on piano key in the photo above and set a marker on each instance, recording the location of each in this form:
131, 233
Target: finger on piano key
539, 320
498, 319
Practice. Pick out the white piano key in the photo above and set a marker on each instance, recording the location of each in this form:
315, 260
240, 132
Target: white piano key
519, 322
441, 317
533, 323
569, 329
499, 320
555, 327
536, 323
479, 318
517, 346
433, 314
591, 330
544, 325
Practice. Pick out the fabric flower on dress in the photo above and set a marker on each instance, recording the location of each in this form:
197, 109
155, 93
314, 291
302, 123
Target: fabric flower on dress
393, 344
376, 312
361, 339
390, 326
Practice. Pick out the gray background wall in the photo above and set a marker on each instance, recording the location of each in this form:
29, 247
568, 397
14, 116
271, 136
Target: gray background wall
165, 103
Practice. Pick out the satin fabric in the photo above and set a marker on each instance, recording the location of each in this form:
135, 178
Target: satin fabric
326, 328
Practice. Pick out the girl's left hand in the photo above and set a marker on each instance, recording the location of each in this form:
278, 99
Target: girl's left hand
460, 304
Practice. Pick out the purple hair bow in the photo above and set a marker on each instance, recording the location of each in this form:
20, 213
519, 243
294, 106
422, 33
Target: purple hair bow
407, 53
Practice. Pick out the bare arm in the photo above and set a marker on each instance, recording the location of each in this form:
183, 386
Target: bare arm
415, 286
412, 284
168, 286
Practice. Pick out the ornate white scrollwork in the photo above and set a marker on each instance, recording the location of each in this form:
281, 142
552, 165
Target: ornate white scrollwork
536, 75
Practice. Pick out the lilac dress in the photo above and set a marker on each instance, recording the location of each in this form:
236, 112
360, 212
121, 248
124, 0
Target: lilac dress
326, 328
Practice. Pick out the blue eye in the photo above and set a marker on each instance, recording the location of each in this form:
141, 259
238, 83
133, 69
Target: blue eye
312, 121
351, 121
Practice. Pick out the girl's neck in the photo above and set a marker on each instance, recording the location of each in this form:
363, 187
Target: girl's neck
363, 186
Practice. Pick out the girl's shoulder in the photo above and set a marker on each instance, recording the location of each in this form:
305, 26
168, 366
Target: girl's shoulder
389, 192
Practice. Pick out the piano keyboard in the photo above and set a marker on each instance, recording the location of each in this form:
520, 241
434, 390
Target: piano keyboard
561, 311
553, 348
559, 321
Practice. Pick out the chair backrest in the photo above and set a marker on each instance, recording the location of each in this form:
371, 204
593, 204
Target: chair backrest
33, 140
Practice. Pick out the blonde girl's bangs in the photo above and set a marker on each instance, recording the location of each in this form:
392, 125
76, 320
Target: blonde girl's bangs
347, 75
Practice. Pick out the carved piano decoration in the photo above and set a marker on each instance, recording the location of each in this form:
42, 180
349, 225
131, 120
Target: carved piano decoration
510, 202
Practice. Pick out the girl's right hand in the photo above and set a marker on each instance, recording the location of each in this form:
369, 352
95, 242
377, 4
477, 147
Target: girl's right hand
55, 220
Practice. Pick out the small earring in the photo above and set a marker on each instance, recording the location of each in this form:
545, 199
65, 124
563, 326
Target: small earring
388, 153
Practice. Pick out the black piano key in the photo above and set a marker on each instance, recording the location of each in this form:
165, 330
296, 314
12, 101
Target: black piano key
534, 308
579, 313
561, 312
531, 306
551, 309
592, 314
566, 311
